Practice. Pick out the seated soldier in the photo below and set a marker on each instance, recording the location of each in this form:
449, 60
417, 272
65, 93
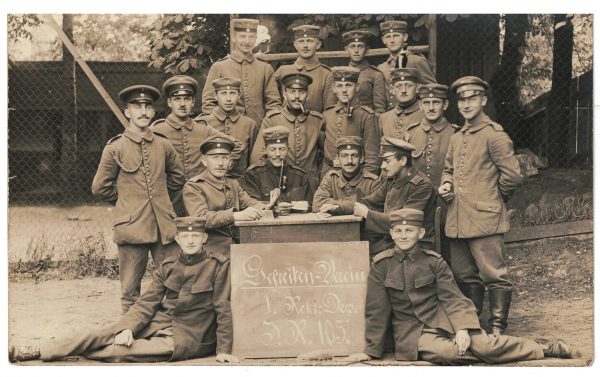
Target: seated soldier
184, 314
219, 198
432, 320
275, 176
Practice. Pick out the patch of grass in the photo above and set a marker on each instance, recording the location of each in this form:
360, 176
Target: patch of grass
568, 208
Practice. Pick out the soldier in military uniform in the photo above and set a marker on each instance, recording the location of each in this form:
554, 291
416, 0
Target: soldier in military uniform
407, 112
403, 187
307, 128
431, 318
276, 176
219, 198
371, 82
307, 40
183, 132
258, 91
137, 170
480, 175
227, 119
430, 137
349, 118
184, 314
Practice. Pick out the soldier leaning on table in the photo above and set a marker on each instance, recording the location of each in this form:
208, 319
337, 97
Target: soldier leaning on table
137, 170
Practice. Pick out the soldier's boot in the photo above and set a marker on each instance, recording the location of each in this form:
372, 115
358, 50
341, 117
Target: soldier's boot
23, 353
499, 306
556, 348
475, 293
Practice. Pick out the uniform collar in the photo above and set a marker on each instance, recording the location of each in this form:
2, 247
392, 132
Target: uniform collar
437, 126
239, 57
481, 121
189, 260
291, 117
222, 115
362, 65
276, 169
307, 65
413, 254
354, 103
134, 136
176, 123
394, 58
213, 181
400, 180
407, 110
355, 181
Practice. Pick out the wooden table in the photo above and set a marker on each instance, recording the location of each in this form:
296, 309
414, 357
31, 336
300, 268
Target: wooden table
300, 227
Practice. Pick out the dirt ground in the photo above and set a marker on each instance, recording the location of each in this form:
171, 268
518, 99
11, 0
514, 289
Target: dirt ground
553, 296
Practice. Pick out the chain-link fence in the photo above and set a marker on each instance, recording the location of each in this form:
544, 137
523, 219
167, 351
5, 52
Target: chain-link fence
58, 123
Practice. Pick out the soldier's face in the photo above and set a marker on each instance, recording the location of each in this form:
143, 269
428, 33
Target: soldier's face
191, 242
181, 106
394, 41
433, 108
406, 236
227, 99
245, 41
405, 92
471, 107
295, 97
307, 47
344, 91
391, 165
276, 153
216, 164
350, 160
357, 51
140, 113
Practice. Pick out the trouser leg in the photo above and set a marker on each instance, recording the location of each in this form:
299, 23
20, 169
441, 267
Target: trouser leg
464, 268
504, 349
154, 349
439, 349
132, 266
445, 245
78, 344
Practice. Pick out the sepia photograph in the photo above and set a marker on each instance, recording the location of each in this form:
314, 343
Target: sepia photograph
284, 189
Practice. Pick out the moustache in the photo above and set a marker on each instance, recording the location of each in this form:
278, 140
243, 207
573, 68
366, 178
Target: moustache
143, 117
350, 165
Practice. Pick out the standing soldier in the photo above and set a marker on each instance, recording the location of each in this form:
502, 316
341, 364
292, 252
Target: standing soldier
480, 175
394, 35
430, 138
307, 40
307, 128
349, 118
218, 198
371, 82
407, 112
227, 119
258, 88
275, 176
183, 132
137, 170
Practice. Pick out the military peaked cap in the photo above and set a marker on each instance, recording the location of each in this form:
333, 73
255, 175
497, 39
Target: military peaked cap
393, 27
433, 91
139, 93
469, 86
307, 31
226, 83
217, 145
276, 135
407, 216
190, 224
180, 85
345, 73
405, 74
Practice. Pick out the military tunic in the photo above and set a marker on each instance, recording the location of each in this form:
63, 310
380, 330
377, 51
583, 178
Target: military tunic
371, 87
320, 93
238, 126
258, 92
413, 190
413, 60
306, 140
416, 289
184, 314
261, 178
335, 189
396, 122
216, 200
353, 120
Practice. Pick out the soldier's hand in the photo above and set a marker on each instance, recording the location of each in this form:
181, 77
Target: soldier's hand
248, 214
328, 207
124, 338
445, 191
227, 358
360, 210
357, 357
463, 341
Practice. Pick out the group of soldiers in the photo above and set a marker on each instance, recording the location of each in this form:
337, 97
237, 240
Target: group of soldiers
358, 140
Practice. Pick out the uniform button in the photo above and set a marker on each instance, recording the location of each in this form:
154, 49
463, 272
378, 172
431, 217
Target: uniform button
150, 196
429, 167
489, 208
430, 138
428, 152
429, 175
150, 188
429, 160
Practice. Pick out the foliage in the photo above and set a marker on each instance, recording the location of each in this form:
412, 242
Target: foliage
20, 25
188, 43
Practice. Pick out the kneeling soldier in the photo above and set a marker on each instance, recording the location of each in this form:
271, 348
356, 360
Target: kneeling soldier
184, 314
275, 176
432, 320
